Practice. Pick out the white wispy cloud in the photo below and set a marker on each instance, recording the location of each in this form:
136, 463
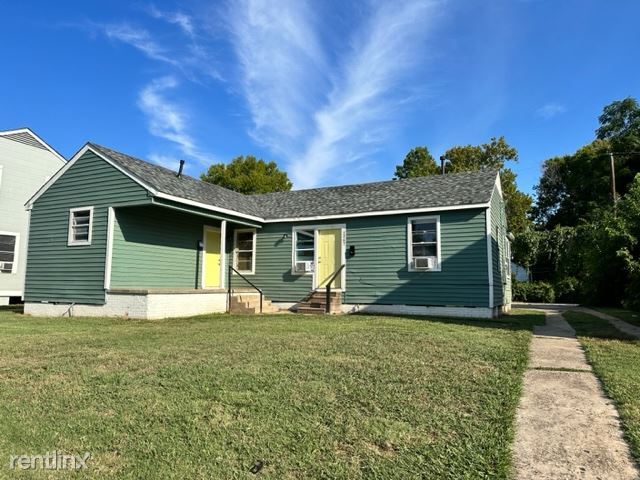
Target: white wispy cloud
319, 120
550, 110
180, 19
363, 106
280, 60
168, 120
140, 39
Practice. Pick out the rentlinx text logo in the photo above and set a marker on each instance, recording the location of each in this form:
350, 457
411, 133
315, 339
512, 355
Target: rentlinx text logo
50, 461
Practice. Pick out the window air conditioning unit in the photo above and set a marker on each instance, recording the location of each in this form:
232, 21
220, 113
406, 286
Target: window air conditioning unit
304, 266
424, 263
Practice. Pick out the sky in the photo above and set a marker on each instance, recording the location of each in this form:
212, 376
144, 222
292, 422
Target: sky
335, 92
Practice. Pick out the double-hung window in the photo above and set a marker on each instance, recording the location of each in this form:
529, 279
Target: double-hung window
423, 244
244, 251
80, 226
304, 251
8, 252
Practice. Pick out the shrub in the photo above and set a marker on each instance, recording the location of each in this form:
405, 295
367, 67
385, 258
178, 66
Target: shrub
568, 290
533, 292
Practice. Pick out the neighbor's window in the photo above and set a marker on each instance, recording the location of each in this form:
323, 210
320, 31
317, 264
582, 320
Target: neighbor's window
8, 247
80, 226
304, 253
244, 251
423, 248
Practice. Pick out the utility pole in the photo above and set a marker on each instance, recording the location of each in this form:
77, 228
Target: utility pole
613, 182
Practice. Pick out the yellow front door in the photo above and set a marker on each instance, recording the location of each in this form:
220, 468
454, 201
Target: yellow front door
329, 257
211, 259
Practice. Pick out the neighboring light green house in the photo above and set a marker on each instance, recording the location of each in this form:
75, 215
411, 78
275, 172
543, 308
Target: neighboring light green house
26, 163
114, 235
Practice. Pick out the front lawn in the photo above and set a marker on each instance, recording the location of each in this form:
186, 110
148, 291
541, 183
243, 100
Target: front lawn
310, 397
615, 358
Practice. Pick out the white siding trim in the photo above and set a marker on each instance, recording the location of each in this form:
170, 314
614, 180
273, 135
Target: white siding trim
498, 185
0, 176
207, 206
487, 214
378, 213
223, 252
10, 293
109, 255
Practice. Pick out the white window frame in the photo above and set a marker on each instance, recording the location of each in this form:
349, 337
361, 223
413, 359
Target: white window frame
294, 236
429, 218
236, 250
16, 252
77, 243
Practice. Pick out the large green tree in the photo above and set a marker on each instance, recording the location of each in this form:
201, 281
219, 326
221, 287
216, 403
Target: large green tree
494, 155
573, 187
417, 163
468, 158
248, 174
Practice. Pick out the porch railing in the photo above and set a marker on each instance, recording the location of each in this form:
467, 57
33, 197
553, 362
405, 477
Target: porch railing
259, 290
327, 307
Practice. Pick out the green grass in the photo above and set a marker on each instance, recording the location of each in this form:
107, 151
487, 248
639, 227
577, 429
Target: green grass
627, 315
312, 397
615, 358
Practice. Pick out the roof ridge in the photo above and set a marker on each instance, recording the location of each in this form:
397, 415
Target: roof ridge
492, 172
452, 190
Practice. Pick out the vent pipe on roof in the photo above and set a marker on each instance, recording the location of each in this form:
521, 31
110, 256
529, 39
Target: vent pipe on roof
180, 169
442, 161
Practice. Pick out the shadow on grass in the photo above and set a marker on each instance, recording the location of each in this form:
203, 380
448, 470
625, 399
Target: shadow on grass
517, 320
12, 308
587, 325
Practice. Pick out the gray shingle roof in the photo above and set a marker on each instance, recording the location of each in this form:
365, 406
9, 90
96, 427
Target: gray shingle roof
165, 180
413, 193
421, 192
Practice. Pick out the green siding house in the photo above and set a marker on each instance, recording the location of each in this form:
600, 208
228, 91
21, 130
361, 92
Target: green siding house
112, 235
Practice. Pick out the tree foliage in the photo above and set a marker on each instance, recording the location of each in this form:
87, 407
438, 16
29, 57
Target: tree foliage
418, 163
573, 187
619, 119
494, 155
583, 243
248, 174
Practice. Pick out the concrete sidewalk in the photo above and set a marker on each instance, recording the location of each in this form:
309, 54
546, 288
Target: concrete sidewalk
565, 426
621, 325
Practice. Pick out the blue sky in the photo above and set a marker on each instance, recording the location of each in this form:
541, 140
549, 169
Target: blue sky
335, 92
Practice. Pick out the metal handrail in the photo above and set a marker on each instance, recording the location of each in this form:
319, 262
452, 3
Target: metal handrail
246, 280
327, 307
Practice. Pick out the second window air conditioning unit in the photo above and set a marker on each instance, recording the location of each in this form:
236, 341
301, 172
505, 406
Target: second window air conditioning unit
425, 263
304, 266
